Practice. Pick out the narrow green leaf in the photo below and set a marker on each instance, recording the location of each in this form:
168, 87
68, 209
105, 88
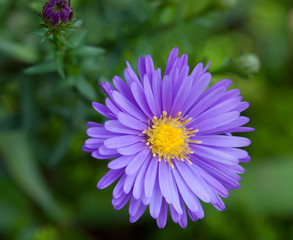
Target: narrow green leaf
79, 38
88, 51
68, 43
85, 88
21, 52
22, 167
42, 68
61, 147
60, 64
39, 32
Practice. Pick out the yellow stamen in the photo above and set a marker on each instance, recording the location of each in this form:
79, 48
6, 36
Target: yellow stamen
168, 138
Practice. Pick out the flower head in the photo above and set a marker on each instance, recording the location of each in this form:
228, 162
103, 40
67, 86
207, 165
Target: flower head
57, 11
170, 140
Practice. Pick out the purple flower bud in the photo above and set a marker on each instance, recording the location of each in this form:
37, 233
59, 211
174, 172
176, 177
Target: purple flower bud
57, 11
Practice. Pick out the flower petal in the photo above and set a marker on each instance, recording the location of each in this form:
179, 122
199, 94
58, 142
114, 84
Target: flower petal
132, 149
188, 196
211, 153
122, 141
128, 106
156, 201
119, 162
136, 163
150, 178
223, 141
138, 187
131, 122
117, 127
110, 177
168, 189
192, 181
162, 218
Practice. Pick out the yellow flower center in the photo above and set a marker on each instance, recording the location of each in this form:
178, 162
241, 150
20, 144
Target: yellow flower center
168, 138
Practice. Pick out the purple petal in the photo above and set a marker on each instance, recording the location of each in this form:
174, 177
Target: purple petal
138, 214
110, 177
93, 124
188, 196
134, 206
191, 181
94, 143
156, 201
174, 214
162, 218
131, 122
130, 76
149, 66
150, 177
112, 107
182, 95
183, 219
181, 78
140, 99
215, 122
128, 106
97, 155
138, 187
106, 151
141, 67
219, 109
167, 94
100, 132
150, 97
116, 127
122, 87
122, 141
196, 71
120, 162
129, 181
230, 126
102, 109
171, 59
168, 189
223, 141
206, 102
157, 89
120, 202
213, 154
197, 88
132, 149
136, 163
118, 189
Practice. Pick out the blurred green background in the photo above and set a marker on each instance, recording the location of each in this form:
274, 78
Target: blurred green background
48, 185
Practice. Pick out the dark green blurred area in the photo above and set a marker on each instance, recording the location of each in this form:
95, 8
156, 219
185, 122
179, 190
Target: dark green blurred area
48, 185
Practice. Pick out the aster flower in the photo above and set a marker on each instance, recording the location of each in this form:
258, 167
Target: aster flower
57, 11
170, 140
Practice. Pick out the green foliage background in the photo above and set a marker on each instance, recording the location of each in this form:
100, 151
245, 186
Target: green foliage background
48, 185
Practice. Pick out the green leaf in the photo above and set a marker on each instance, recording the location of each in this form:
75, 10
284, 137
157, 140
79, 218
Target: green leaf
39, 32
79, 38
20, 163
42, 68
85, 88
21, 52
68, 43
59, 56
88, 51
61, 147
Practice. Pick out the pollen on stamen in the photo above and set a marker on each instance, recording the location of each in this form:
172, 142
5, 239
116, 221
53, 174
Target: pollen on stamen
168, 138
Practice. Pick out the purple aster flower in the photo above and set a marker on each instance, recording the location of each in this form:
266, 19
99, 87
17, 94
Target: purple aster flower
55, 11
170, 139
